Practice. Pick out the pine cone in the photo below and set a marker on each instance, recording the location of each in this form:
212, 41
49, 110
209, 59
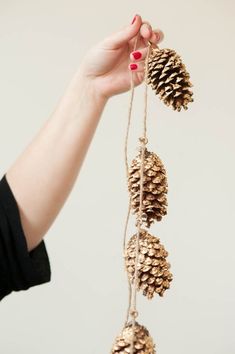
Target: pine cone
153, 275
169, 78
154, 201
143, 343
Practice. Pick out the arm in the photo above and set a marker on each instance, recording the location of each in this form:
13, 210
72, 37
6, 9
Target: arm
42, 177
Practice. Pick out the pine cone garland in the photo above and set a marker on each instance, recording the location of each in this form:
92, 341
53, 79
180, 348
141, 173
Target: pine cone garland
154, 201
169, 78
143, 343
153, 275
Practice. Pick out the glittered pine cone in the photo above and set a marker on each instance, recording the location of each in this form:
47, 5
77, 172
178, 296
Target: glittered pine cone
143, 343
169, 78
154, 201
153, 275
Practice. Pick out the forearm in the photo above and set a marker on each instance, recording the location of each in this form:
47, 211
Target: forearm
43, 175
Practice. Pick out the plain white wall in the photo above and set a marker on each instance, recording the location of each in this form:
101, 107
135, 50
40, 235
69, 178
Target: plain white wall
84, 306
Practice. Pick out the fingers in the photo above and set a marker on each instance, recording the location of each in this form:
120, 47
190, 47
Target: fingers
118, 39
155, 37
128, 33
148, 34
158, 36
146, 30
137, 67
138, 56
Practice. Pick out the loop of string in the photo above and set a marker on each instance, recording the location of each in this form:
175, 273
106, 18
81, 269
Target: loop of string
127, 175
132, 309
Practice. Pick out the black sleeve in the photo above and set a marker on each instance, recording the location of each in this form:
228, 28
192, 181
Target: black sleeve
19, 269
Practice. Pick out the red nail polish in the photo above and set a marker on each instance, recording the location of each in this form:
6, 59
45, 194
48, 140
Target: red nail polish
137, 55
133, 66
133, 20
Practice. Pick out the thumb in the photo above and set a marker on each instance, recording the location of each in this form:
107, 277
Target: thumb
118, 39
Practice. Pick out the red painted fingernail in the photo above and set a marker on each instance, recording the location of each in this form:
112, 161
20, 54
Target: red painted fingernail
137, 55
133, 20
133, 66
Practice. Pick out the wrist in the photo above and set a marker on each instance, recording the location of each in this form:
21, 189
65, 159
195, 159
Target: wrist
85, 86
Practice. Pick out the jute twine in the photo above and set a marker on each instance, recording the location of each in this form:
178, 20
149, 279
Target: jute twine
132, 306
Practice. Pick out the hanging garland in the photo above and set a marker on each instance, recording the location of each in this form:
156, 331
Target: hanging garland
145, 258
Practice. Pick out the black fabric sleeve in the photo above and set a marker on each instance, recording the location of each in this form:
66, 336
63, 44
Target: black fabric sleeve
19, 269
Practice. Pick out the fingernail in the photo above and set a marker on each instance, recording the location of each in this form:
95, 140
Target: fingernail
137, 55
133, 66
133, 20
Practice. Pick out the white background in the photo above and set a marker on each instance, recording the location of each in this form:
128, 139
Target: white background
84, 306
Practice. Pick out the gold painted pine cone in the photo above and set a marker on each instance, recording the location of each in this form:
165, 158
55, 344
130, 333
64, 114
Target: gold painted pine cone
143, 343
154, 188
169, 78
153, 275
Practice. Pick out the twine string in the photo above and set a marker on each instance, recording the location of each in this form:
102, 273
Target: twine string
132, 301
143, 141
127, 175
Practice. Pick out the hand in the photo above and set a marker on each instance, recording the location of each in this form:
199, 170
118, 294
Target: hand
107, 65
